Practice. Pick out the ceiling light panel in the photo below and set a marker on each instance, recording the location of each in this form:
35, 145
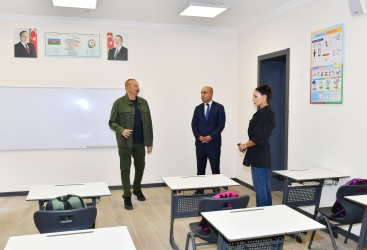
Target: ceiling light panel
85, 4
204, 10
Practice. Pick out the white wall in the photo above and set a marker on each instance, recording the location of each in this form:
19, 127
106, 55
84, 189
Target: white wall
171, 65
328, 136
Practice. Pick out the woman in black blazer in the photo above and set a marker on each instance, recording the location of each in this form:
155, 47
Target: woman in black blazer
258, 147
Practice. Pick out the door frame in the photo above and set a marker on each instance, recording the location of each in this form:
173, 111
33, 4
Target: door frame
280, 53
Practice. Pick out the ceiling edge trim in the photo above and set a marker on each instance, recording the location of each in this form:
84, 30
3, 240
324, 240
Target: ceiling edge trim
5, 16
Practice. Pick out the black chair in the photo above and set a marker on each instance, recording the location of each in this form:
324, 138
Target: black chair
353, 212
208, 205
48, 221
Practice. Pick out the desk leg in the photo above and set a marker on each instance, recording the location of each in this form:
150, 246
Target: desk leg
221, 244
40, 203
171, 236
363, 234
285, 194
318, 199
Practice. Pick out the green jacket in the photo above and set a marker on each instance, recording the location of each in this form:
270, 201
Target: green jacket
122, 117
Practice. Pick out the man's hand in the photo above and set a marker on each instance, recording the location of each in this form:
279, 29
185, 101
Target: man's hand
207, 139
126, 133
149, 149
201, 138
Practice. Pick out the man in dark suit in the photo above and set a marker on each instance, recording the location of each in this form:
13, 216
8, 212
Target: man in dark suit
23, 48
119, 52
207, 125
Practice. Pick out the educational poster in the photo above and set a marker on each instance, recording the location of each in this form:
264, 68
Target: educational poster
117, 46
327, 58
72, 45
25, 42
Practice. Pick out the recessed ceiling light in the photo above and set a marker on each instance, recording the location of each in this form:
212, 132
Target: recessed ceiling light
85, 4
204, 10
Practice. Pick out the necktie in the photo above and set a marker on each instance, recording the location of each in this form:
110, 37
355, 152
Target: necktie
207, 112
117, 51
27, 49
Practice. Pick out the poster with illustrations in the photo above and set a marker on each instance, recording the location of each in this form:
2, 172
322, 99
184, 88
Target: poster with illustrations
72, 45
327, 58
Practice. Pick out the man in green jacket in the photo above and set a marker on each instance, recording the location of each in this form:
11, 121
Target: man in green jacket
131, 120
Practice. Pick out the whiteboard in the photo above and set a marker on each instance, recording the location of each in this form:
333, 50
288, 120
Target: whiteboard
56, 118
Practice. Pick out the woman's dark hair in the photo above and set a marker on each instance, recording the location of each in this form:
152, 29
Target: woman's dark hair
265, 89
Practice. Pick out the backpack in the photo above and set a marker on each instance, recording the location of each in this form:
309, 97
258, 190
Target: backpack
337, 209
204, 226
66, 202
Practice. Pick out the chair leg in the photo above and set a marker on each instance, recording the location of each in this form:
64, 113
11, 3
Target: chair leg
347, 237
192, 236
330, 232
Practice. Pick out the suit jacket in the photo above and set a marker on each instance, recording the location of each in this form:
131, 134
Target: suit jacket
122, 55
213, 127
20, 51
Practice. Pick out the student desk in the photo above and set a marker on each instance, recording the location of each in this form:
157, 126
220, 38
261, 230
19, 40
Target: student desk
184, 201
258, 228
93, 190
361, 199
308, 188
110, 238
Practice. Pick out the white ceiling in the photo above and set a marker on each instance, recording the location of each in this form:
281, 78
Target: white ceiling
240, 13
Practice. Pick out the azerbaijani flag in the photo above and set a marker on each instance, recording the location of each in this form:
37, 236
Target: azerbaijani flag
33, 39
53, 41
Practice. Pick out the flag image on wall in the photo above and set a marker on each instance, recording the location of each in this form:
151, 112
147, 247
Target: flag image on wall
25, 42
33, 39
327, 63
54, 41
117, 46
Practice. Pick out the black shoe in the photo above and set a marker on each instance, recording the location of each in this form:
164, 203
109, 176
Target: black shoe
140, 195
128, 204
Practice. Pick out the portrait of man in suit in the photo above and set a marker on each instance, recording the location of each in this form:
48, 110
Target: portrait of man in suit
207, 125
119, 52
24, 48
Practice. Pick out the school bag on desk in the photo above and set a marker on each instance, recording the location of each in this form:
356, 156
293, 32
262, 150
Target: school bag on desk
337, 209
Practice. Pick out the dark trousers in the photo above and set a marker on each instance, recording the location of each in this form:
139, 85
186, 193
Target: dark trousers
205, 152
137, 151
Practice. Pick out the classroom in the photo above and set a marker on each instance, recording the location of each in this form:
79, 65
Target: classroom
172, 62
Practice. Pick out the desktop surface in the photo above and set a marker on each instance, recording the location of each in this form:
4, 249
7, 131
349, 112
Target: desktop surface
253, 223
310, 174
360, 199
198, 181
110, 238
47, 192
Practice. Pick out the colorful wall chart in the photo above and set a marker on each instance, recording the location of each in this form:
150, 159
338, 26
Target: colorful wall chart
327, 59
72, 45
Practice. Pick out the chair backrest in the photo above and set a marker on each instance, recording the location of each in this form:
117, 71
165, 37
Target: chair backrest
353, 211
65, 220
215, 204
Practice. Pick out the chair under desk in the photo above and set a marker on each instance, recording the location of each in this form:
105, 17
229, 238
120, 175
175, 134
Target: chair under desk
303, 187
258, 228
92, 190
184, 201
110, 238
362, 200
